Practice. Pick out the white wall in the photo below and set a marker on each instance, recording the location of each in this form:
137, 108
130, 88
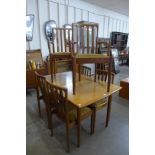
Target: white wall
68, 11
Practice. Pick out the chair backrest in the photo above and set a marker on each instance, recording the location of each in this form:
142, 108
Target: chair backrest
102, 75
104, 46
40, 83
84, 38
85, 70
62, 40
58, 96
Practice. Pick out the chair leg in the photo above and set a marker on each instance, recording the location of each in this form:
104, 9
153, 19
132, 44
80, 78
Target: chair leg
108, 110
54, 68
49, 120
51, 124
39, 107
38, 100
79, 69
52, 63
94, 123
74, 74
68, 138
52, 131
78, 127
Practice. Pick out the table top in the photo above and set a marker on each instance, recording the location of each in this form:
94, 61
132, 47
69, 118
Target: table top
87, 91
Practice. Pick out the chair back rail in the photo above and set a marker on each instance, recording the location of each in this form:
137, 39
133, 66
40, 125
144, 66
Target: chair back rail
84, 38
85, 70
40, 83
102, 75
62, 41
57, 97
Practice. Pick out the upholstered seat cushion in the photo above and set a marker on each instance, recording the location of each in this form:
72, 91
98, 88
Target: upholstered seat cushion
61, 53
83, 111
72, 112
91, 56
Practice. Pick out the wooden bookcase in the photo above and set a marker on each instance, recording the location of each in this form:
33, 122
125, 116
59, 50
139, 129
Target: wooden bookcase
119, 40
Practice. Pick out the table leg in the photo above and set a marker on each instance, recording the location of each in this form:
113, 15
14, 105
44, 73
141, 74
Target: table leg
108, 110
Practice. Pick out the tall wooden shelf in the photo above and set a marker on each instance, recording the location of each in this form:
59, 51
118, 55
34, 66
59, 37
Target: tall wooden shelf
119, 40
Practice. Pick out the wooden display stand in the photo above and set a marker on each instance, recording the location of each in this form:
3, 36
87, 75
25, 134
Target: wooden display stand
124, 92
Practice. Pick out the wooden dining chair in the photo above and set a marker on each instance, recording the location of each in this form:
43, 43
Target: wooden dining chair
101, 76
60, 47
85, 49
65, 111
42, 95
40, 89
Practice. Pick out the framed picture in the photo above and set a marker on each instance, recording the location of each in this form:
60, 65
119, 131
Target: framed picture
29, 27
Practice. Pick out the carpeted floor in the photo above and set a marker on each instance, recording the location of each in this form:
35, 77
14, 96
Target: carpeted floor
113, 140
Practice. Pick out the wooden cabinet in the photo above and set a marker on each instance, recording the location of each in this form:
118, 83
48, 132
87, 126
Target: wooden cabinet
124, 92
30, 77
36, 57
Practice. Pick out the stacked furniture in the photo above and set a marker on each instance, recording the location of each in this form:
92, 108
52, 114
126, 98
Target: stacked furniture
74, 96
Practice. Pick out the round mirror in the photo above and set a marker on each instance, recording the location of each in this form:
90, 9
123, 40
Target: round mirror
50, 34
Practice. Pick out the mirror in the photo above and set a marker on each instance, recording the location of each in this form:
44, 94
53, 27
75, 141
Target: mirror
49, 25
29, 27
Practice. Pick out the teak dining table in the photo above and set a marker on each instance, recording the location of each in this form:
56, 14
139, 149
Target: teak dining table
87, 91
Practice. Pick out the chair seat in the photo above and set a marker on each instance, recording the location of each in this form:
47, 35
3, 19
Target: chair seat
73, 112
61, 53
99, 104
91, 56
83, 111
